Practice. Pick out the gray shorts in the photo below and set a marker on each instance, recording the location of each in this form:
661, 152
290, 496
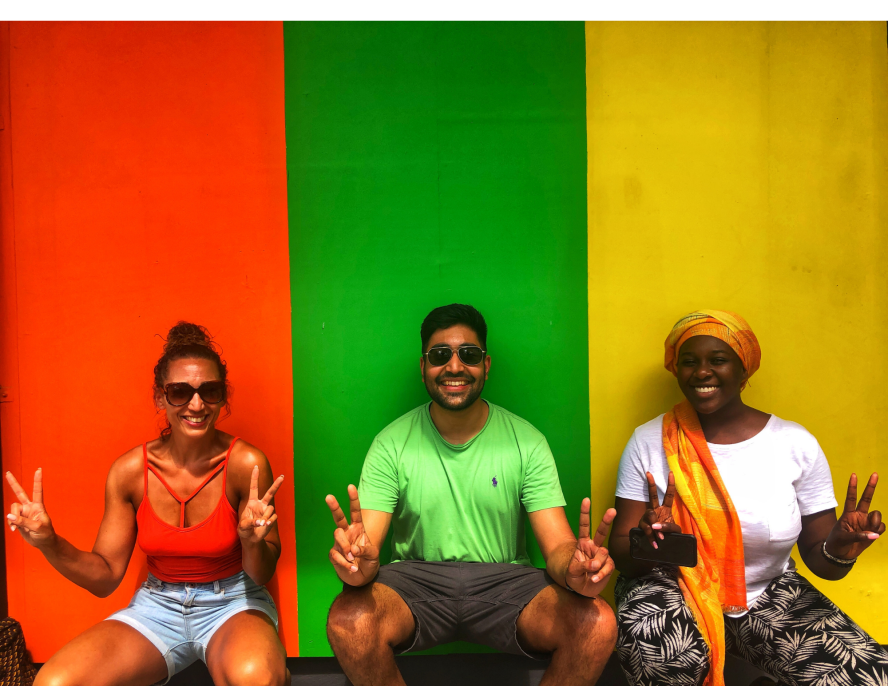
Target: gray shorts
465, 601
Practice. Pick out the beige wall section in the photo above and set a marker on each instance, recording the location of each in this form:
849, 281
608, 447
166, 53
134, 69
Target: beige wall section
743, 167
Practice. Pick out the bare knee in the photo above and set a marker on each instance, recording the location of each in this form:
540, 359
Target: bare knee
354, 624
50, 675
592, 626
606, 625
256, 672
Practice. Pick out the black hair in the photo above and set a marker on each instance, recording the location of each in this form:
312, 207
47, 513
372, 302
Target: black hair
450, 315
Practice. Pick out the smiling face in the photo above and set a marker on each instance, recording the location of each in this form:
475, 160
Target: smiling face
710, 373
455, 385
196, 417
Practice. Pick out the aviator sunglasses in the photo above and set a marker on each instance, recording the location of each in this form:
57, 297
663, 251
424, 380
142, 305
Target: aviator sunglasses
468, 354
178, 394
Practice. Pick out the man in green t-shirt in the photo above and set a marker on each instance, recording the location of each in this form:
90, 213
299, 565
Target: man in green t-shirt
454, 478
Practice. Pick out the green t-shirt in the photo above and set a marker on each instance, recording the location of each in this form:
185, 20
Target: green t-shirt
459, 503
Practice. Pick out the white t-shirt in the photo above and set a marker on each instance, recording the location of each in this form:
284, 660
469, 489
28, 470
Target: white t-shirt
773, 478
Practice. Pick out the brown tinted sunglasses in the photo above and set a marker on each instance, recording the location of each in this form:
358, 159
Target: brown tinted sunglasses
178, 394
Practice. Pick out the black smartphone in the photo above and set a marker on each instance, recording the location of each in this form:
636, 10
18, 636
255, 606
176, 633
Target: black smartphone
674, 549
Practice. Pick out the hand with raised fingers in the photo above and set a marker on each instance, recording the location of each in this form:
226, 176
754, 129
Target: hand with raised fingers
857, 528
258, 516
28, 516
353, 554
657, 519
591, 564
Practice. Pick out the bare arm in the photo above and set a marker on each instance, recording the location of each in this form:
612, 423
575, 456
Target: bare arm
629, 512
845, 538
653, 519
815, 529
101, 570
581, 565
355, 551
556, 540
251, 475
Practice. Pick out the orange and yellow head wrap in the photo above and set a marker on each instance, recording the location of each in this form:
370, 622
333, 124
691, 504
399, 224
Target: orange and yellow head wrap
726, 326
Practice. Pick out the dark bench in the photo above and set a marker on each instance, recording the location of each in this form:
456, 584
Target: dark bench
476, 669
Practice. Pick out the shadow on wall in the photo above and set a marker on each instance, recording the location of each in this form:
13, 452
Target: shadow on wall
656, 392
653, 394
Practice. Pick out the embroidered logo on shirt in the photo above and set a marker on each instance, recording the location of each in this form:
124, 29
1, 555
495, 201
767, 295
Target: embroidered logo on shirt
495, 482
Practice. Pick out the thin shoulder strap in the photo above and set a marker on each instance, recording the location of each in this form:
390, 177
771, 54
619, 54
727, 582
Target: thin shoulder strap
222, 466
225, 462
145, 455
203, 483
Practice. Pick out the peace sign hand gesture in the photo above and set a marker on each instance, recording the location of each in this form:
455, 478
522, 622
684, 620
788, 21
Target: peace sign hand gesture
591, 565
258, 516
857, 528
354, 556
657, 519
28, 516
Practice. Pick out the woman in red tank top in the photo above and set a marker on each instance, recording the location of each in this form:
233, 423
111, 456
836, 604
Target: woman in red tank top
191, 499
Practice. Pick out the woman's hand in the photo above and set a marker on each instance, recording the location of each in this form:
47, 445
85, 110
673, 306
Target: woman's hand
258, 516
353, 554
28, 516
657, 519
590, 566
857, 528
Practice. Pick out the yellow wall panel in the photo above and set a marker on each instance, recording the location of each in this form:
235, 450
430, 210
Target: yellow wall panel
743, 166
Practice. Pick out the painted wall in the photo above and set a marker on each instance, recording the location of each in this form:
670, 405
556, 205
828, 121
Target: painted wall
149, 185
729, 165
743, 167
429, 164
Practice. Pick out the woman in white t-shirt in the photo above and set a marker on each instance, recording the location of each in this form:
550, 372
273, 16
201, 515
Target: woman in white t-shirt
748, 485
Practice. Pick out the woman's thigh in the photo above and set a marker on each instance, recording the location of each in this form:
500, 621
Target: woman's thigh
109, 654
246, 650
659, 642
798, 635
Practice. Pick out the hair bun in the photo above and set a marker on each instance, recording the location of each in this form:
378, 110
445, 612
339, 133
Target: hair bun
185, 334
188, 341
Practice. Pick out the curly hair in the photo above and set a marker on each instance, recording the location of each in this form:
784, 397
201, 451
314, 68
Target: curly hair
189, 341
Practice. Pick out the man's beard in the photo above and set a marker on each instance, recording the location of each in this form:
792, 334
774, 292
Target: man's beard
449, 401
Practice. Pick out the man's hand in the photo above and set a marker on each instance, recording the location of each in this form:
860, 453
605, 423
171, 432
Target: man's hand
591, 565
354, 556
857, 528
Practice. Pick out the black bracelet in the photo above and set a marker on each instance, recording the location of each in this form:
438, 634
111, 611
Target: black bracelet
837, 561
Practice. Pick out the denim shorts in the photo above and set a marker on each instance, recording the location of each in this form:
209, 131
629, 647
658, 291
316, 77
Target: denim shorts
180, 619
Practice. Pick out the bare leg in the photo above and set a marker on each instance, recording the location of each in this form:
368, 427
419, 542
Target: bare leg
364, 627
579, 632
246, 650
109, 654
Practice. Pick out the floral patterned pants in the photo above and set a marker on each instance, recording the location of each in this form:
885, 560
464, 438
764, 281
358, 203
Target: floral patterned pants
793, 632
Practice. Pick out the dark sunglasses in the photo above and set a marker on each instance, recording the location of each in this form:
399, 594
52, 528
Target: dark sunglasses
178, 394
468, 354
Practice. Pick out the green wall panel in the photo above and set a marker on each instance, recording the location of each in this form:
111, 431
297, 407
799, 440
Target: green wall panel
430, 163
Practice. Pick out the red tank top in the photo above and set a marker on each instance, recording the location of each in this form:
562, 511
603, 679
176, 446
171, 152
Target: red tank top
208, 551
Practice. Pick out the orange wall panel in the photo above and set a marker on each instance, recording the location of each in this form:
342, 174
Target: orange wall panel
148, 167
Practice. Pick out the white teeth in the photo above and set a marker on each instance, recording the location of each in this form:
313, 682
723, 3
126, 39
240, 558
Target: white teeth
195, 420
455, 383
705, 389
